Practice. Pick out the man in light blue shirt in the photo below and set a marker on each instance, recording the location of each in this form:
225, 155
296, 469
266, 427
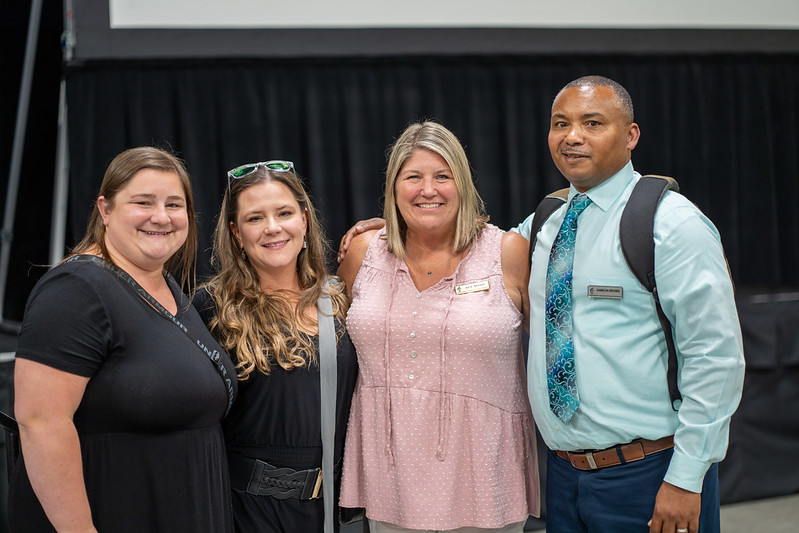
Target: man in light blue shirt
619, 348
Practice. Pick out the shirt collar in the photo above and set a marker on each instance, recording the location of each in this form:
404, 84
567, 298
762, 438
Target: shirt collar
607, 192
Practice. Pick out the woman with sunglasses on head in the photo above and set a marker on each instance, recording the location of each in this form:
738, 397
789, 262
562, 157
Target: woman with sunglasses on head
441, 435
118, 406
266, 306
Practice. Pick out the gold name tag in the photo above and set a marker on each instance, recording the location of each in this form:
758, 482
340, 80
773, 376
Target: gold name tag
472, 286
605, 291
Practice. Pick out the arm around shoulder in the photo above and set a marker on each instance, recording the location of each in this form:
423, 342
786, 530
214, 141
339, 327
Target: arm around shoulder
351, 264
516, 271
360, 227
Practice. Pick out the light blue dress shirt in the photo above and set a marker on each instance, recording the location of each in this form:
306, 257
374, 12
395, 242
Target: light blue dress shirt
620, 351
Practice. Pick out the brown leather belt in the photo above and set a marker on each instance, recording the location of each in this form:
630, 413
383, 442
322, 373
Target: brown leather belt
616, 455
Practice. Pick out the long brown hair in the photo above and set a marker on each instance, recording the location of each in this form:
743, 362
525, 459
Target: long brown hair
122, 169
263, 326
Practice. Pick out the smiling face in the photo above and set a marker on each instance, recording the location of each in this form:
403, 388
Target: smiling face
270, 226
590, 136
147, 222
426, 194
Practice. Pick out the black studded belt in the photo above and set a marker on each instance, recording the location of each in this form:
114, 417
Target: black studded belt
259, 478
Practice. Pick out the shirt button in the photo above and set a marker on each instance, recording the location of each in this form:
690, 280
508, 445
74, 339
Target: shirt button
411, 376
413, 335
418, 295
413, 354
557, 427
414, 313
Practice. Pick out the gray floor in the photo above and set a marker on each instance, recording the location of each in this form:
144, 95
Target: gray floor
775, 515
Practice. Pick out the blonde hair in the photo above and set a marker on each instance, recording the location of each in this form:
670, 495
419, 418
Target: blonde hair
122, 169
471, 217
263, 327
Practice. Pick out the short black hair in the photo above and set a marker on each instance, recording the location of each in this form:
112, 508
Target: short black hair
625, 101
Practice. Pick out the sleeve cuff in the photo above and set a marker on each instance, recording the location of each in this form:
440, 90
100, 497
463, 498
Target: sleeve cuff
686, 472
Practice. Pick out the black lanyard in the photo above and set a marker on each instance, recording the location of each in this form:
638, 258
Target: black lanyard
213, 355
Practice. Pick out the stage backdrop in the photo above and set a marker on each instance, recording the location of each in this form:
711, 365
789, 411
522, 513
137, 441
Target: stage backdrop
718, 106
726, 126
714, 84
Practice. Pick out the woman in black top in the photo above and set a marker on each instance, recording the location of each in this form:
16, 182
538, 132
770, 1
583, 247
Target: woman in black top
118, 408
269, 250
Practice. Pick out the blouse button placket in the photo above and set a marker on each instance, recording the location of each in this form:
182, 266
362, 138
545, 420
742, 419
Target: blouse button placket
414, 314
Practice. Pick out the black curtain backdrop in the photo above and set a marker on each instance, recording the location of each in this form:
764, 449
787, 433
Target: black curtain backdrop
726, 127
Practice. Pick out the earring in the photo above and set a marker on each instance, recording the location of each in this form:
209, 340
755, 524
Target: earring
243, 254
304, 242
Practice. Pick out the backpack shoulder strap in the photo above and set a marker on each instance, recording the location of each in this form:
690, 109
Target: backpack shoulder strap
548, 205
636, 233
636, 229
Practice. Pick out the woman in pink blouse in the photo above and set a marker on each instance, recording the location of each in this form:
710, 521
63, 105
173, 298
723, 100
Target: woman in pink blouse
440, 435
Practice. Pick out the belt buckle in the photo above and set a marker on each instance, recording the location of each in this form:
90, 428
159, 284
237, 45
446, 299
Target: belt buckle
589, 456
317, 486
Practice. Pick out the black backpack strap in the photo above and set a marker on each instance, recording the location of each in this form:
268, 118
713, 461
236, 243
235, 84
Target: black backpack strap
636, 233
548, 205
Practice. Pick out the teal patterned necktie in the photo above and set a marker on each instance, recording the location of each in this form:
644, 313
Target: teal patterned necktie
561, 376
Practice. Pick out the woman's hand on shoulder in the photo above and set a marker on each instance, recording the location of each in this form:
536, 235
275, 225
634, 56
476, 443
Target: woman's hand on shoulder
352, 261
516, 271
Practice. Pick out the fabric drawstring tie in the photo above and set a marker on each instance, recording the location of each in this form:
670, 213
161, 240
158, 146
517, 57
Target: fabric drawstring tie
387, 364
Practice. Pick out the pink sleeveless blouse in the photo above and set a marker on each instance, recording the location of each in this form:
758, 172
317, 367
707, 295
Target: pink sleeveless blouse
440, 433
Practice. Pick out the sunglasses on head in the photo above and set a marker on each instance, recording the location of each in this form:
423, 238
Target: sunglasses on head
245, 170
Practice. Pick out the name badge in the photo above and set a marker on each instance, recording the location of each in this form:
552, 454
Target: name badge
472, 286
605, 291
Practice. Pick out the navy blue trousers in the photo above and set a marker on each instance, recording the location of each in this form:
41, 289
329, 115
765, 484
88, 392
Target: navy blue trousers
618, 498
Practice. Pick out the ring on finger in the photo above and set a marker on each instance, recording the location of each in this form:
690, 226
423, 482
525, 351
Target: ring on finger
682, 530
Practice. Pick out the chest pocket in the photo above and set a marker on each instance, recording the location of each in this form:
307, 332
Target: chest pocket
603, 313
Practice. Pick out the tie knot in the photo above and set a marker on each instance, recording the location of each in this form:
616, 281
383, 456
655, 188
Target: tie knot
578, 205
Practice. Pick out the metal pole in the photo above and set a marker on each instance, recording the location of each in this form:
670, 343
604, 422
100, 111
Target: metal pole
61, 182
61, 185
7, 234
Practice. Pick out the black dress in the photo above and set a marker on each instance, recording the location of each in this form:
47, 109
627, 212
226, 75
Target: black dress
277, 419
149, 421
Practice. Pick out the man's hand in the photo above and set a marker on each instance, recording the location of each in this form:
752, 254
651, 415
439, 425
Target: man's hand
359, 227
676, 510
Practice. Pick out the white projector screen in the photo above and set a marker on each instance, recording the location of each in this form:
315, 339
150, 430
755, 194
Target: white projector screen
143, 29
707, 14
